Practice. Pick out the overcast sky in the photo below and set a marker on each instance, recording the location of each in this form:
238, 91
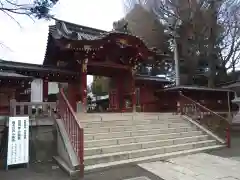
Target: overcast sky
28, 43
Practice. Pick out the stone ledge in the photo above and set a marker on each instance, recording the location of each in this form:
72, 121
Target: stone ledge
74, 175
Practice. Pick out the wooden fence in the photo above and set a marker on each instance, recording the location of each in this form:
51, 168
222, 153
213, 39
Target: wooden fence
32, 109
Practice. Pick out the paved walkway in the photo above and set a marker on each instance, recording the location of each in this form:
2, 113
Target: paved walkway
234, 151
49, 171
43, 171
200, 166
223, 164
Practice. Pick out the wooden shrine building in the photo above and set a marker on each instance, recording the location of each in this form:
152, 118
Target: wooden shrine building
216, 99
12, 86
16, 78
95, 52
117, 55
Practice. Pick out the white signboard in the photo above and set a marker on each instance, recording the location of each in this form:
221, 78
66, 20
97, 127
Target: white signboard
37, 90
18, 141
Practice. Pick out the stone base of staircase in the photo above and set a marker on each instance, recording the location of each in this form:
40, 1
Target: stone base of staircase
73, 174
66, 158
119, 139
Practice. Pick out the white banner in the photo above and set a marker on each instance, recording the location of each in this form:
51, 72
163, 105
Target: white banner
37, 90
18, 140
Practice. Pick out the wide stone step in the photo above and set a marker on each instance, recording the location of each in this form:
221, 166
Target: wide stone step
118, 156
133, 127
110, 135
142, 145
137, 139
127, 118
161, 118
99, 167
127, 122
97, 117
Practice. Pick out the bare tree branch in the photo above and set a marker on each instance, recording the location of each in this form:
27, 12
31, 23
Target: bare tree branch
4, 46
12, 18
39, 9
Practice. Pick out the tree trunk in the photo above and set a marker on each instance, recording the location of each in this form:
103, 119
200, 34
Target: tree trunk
212, 74
212, 43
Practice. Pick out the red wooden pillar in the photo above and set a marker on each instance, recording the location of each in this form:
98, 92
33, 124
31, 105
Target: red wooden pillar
73, 94
83, 85
45, 90
133, 89
120, 95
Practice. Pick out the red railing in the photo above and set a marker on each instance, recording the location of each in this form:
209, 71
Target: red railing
206, 117
73, 127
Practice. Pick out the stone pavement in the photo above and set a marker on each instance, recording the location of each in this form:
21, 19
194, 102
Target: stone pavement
233, 152
43, 171
200, 166
49, 171
222, 164
127, 172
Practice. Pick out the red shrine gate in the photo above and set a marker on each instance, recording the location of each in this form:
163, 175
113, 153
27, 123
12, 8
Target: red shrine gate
95, 52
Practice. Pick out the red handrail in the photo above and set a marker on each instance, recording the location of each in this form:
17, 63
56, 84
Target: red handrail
203, 107
73, 127
192, 108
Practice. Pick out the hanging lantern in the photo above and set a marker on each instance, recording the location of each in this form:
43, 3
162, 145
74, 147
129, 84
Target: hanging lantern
87, 47
68, 46
123, 41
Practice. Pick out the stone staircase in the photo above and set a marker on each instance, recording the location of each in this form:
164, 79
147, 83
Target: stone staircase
116, 139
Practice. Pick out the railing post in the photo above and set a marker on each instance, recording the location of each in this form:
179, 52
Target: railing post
81, 152
30, 110
22, 109
13, 111
228, 137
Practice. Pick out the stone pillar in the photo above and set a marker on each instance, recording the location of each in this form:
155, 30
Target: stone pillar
83, 86
45, 90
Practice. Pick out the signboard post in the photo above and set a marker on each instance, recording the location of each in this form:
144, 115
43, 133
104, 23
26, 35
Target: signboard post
18, 141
